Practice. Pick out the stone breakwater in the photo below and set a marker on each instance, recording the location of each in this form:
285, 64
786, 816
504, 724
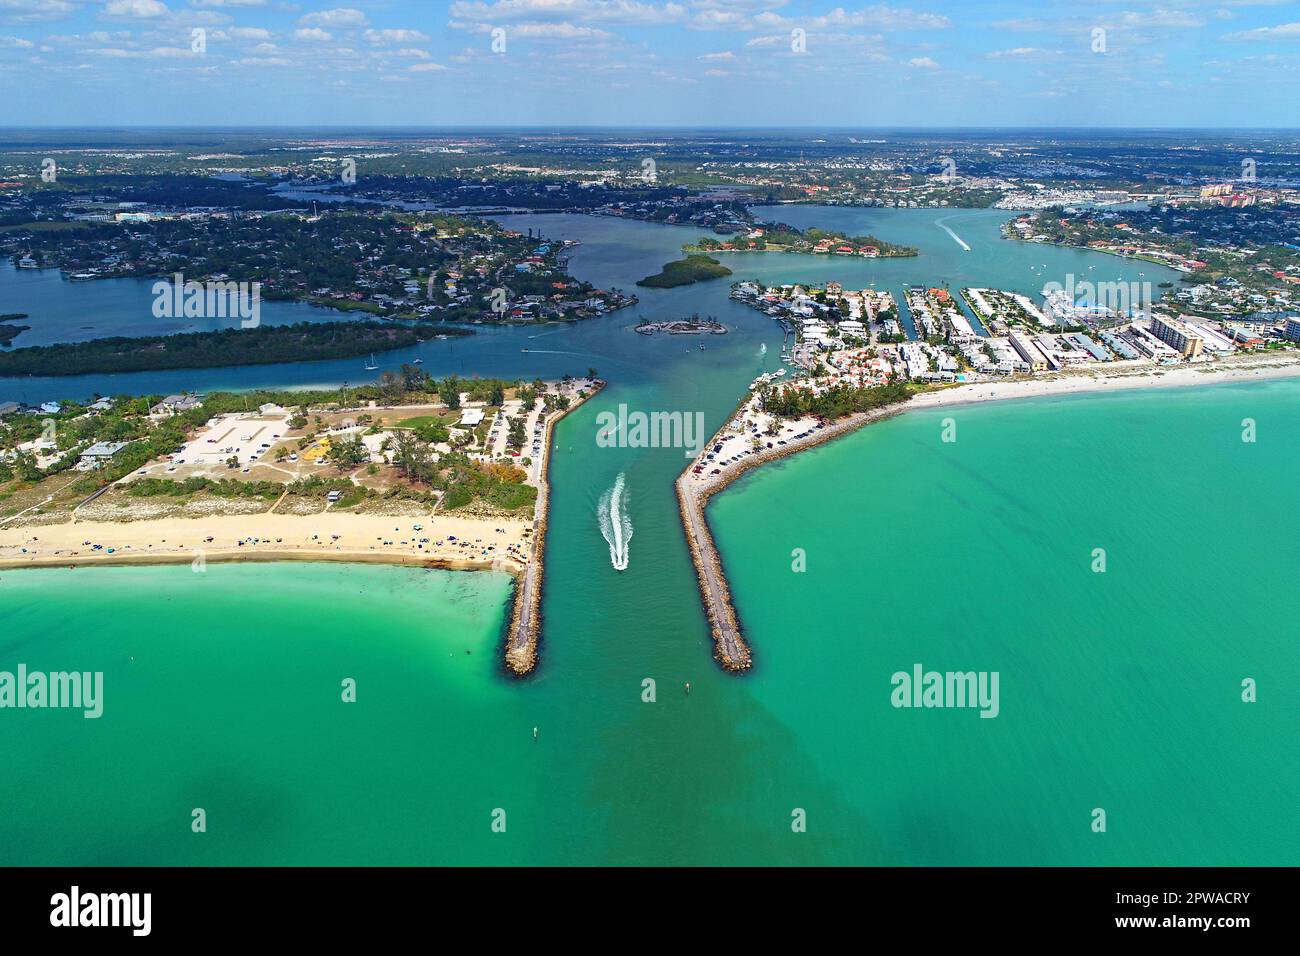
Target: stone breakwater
730, 648
525, 628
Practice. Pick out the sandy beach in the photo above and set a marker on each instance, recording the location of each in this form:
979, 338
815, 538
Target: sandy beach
1112, 378
695, 489
452, 542
1245, 369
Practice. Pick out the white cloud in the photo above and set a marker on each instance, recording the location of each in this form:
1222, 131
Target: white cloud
541, 31
724, 55
136, 9
313, 35
338, 17
1285, 31
30, 11
18, 42
568, 11
426, 68
396, 36
1020, 51
923, 62
879, 16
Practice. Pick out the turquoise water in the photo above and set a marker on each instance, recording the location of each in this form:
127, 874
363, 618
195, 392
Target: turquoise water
1119, 690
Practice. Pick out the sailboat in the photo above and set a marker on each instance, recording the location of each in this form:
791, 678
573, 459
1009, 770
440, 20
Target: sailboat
372, 365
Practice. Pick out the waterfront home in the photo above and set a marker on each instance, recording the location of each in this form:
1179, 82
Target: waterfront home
99, 454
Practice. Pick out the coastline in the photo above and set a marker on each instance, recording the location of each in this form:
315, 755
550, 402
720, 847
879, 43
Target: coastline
694, 493
454, 542
524, 630
510, 544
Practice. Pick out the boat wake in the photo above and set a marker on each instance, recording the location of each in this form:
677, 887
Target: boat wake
615, 525
958, 239
762, 350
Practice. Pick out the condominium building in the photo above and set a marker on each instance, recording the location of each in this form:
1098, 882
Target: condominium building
1177, 335
1028, 351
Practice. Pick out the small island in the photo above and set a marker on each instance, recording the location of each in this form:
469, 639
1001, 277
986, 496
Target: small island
692, 326
266, 345
694, 268
10, 332
781, 238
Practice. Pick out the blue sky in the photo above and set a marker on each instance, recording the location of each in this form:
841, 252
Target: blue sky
650, 62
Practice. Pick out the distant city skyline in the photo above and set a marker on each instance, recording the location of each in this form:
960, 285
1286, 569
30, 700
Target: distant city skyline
694, 63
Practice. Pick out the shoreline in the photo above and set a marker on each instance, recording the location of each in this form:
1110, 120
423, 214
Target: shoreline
523, 633
509, 544
260, 557
453, 542
694, 494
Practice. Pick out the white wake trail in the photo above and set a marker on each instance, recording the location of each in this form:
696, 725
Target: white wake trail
615, 524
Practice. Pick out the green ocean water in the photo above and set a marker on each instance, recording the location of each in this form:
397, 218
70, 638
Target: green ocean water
1118, 690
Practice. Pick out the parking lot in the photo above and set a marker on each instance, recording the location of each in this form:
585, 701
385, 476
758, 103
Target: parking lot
245, 438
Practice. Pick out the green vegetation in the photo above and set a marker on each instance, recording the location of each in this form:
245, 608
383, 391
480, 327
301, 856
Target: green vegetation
302, 342
834, 403
224, 488
497, 486
10, 332
694, 268
779, 238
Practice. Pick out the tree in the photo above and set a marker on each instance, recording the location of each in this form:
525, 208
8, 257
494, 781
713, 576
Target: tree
413, 457
432, 432
414, 379
391, 387
348, 451
449, 392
